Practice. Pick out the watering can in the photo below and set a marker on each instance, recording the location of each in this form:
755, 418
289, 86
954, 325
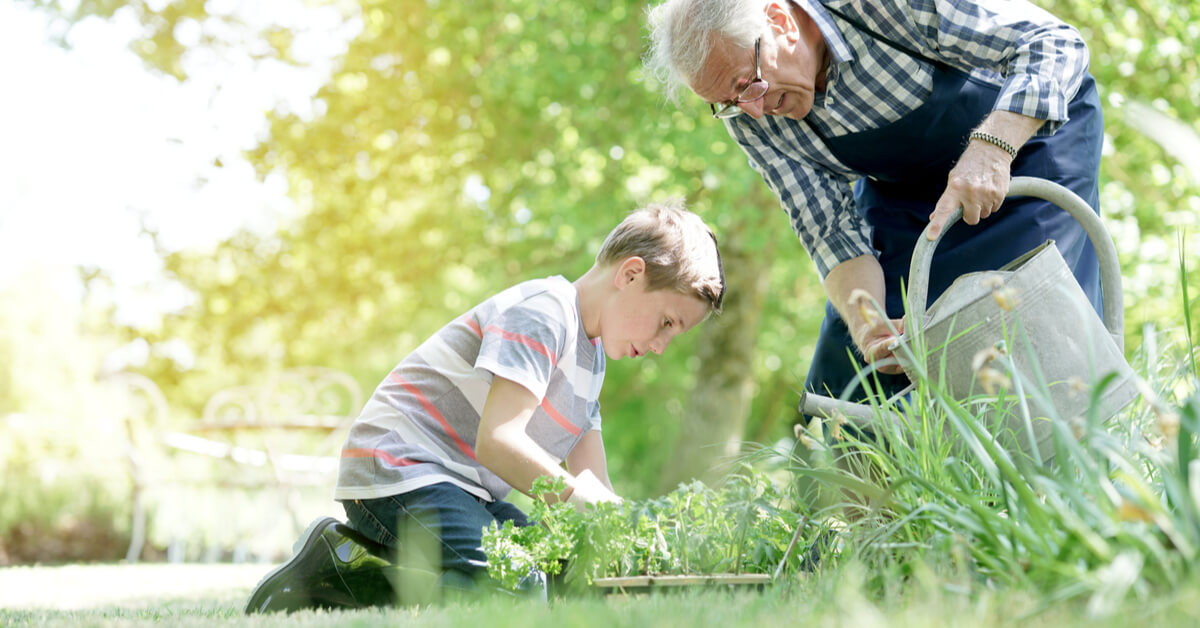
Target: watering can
1029, 322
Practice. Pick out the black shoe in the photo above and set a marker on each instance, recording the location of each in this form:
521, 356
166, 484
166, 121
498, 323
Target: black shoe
332, 566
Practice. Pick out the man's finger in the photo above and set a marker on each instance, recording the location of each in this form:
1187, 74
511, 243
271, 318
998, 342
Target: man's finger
892, 369
941, 213
971, 215
879, 351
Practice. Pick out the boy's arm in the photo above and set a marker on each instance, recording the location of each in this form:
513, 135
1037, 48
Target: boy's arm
506, 450
589, 454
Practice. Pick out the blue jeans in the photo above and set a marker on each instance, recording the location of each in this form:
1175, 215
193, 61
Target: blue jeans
442, 522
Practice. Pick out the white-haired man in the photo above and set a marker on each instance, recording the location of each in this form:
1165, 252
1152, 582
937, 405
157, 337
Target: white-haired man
928, 105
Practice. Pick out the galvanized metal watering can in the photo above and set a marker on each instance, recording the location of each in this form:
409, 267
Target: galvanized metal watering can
1027, 325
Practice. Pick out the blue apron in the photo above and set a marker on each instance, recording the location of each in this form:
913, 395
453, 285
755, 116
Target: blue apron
903, 181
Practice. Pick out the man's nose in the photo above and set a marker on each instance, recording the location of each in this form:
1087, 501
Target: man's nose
753, 108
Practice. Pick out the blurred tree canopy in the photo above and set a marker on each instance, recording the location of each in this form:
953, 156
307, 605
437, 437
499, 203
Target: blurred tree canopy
460, 147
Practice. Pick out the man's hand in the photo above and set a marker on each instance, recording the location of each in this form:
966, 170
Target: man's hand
855, 288
979, 181
873, 339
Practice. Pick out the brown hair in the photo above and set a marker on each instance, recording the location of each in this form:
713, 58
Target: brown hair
680, 251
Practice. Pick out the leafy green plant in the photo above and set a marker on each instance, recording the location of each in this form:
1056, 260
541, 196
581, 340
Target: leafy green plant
746, 526
1115, 514
62, 500
1187, 303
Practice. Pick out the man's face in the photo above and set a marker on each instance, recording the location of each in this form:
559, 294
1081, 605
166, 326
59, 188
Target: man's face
788, 64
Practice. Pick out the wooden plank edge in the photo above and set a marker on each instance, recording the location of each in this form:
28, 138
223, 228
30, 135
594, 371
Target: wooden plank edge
682, 580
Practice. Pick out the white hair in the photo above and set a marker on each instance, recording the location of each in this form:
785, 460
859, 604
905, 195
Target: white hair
681, 36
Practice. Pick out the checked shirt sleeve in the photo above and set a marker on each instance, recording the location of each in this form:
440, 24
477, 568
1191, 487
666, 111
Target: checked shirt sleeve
1041, 59
818, 202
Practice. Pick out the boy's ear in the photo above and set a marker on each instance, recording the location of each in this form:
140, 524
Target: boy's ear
629, 271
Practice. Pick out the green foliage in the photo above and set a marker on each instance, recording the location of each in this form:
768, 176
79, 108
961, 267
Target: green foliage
744, 527
64, 498
162, 45
1144, 55
65, 491
834, 599
1116, 513
208, 595
460, 147
1184, 278
49, 350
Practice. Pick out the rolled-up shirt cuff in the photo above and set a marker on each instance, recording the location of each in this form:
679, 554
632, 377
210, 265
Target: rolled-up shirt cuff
1039, 98
838, 248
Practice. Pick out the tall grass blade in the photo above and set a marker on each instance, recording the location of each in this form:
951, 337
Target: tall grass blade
1187, 303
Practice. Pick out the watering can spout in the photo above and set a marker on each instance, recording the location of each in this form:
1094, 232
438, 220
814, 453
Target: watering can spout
865, 418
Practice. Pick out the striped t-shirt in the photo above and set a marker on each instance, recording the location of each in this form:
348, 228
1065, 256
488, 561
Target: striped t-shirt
420, 425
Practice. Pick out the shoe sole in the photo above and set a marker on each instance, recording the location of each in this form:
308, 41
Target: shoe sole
311, 535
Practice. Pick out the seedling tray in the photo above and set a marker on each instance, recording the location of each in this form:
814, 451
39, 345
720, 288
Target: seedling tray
632, 584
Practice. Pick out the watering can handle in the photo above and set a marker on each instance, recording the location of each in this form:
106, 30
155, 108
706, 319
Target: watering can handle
1110, 269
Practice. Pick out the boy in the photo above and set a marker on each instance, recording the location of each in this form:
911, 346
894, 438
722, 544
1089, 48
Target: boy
494, 400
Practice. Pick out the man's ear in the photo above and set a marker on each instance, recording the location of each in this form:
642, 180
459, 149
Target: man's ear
629, 271
781, 19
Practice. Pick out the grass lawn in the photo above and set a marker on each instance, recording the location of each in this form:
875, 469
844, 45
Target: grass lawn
188, 595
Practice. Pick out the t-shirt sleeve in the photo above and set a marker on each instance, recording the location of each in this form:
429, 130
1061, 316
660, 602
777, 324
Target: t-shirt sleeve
593, 413
524, 343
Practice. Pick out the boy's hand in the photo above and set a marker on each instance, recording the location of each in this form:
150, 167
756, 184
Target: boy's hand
588, 489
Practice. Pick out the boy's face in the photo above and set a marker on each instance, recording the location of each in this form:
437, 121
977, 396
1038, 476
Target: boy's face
638, 321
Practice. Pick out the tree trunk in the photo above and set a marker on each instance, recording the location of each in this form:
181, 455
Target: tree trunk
712, 431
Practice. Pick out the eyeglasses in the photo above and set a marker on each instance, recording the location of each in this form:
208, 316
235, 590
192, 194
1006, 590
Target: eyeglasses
756, 89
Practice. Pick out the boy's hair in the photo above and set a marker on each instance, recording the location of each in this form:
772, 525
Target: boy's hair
680, 251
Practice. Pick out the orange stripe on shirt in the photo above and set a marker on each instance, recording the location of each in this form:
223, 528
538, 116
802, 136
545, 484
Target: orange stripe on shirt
433, 412
560, 419
472, 324
525, 340
378, 453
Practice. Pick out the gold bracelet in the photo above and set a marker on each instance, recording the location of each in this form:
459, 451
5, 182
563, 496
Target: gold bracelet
994, 141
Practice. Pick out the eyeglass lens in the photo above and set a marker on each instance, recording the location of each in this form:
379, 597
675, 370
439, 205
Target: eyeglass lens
756, 89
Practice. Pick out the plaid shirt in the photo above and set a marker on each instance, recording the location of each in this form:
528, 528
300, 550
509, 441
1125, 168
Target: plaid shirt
1037, 61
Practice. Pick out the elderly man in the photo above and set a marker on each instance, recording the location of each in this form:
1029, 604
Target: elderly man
929, 105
